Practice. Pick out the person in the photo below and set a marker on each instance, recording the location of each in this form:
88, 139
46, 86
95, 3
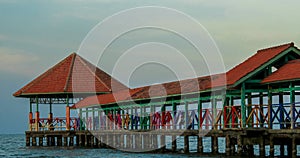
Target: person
127, 121
111, 120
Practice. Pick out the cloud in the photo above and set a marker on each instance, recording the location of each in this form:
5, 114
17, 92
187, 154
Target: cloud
16, 61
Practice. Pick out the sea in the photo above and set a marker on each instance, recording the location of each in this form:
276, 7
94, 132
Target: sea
13, 145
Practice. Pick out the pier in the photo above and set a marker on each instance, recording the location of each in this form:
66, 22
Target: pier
254, 104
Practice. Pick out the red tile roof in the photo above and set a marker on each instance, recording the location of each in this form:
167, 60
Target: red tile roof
261, 57
159, 90
72, 75
190, 85
289, 71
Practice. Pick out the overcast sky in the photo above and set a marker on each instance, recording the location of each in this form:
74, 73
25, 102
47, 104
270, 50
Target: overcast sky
35, 35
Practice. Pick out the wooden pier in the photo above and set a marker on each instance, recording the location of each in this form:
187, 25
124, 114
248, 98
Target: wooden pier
254, 105
238, 142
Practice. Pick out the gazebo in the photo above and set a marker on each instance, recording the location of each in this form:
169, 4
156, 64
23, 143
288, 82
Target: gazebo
69, 81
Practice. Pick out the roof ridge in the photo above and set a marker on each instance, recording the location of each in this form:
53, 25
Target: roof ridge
70, 71
82, 61
273, 47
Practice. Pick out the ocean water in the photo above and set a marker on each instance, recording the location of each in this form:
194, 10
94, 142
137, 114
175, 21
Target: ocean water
14, 146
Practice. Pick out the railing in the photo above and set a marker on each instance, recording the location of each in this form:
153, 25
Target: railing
57, 124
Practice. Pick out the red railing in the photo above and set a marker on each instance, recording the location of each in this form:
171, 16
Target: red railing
58, 124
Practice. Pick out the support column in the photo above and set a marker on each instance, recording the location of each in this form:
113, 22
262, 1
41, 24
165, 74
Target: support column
37, 115
67, 115
294, 147
50, 116
162, 142
292, 101
270, 108
249, 109
271, 146
186, 144
239, 145
243, 105
200, 144
227, 149
281, 113
174, 143
186, 114
262, 151
30, 116
174, 108
214, 113
261, 103
199, 114
214, 144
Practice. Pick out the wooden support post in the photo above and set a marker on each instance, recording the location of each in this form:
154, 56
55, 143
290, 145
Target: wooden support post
271, 146
243, 105
62, 141
186, 144
292, 107
30, 117
162, 143
145, 142
261, 103
67, 115
163, 114
174, 143
122, 137
52, 140
214, 112
40, 141
199, 114
225, 101
230, 118
239, 145
80, 142
281, 112
127, 142
262, 151
50, 117
37, 115
71, 142
174, 108
227, 149
186, 114
294, 147
200, 144
270, 108
33, 141
214, 144
249, 109
27, 140
155, 142
92, 140
86, 140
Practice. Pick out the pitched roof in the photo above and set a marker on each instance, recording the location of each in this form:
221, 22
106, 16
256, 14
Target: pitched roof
191, 85
289, 71
261, 57
158, 90
72, 75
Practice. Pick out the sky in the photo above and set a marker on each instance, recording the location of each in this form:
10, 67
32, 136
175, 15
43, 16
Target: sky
35, 35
